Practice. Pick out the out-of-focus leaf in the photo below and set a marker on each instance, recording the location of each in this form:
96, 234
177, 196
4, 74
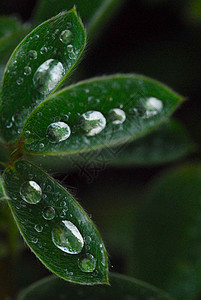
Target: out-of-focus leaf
122, 288
167, 241
85, 116
94, 14
37, 67
55, 226
8, 25
193, 11
167, 143
11, 33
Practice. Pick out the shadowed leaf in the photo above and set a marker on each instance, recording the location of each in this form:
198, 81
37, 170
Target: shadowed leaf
122, 288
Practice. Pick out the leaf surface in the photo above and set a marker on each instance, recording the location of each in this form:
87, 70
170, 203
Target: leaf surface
142, 102
55, 226
94, 13
37, 67
167, 240
122, 287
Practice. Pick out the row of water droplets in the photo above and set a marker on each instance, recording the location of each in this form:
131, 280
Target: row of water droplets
65, 235
94, 122
91, 122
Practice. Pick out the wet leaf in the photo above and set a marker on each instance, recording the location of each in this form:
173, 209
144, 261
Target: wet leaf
167, 240
37, 67
95, 14
98, 113
55, 226
122, 287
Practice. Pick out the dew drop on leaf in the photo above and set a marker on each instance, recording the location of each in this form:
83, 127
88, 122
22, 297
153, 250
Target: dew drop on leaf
48, 213
32, 54
87, 263
117, 116
27, 70
58, 132
93, 122
153, 106
19, 80
31, 192
38, 228
66, 36
43, 50
67, 237
48, 75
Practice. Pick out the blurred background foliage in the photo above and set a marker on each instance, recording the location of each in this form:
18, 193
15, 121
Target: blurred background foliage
149, 217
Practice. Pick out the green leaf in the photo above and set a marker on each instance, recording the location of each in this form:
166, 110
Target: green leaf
122, 287
8, 25
55, 226
145, 104
59, 42
167, 143
95, 14
167, 242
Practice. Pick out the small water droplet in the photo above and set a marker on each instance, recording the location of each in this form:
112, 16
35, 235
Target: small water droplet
41, 146
34, 240
63, 213
31, 192
48, 75
93, 122
8, 124
117, 116
67, 237
38, 228
32, 54
43, 50
58, 132
27, 70
87, 263
66, 36
19, 81
48, 213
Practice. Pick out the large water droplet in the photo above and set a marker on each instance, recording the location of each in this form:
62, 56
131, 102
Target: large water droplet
153, 106
31, 192
67, 237
93, 122
117, 116
48, 75
48, 213
66, 36
58, 132
87, 263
